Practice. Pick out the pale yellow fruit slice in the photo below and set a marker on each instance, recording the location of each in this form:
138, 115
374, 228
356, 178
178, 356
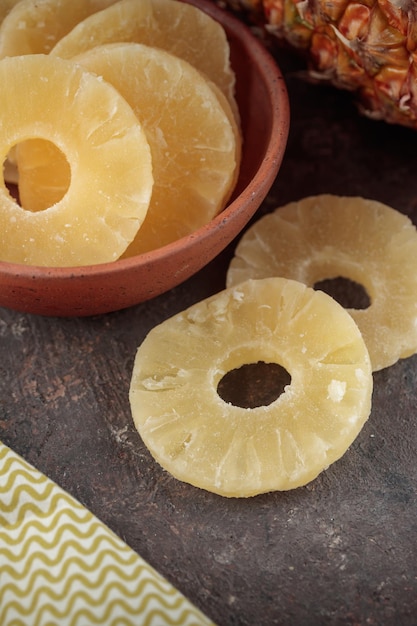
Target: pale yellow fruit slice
34, 27
9, 166
178, 27
238, 452
326, 237
107, 151
6, 6
192, 134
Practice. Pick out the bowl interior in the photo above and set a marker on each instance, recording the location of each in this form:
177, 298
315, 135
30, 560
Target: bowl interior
263, 104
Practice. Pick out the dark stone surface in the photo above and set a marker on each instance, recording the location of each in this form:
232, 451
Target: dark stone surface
342, 550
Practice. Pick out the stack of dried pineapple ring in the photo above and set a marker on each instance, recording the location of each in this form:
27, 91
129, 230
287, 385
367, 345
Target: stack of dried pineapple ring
182, 99
177, 27
326, 237
66, 28
238, 452
194, 172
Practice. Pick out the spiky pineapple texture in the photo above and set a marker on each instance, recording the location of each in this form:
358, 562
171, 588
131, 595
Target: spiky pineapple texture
368, 47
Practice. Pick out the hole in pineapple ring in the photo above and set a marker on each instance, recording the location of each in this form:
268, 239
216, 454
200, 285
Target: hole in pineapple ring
38, 187
348, 293
10, 178
253, 384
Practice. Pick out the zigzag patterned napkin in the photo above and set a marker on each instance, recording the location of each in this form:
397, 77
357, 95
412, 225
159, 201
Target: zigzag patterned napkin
61, 566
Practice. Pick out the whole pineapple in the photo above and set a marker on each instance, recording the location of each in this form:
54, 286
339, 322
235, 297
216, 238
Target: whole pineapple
367, 46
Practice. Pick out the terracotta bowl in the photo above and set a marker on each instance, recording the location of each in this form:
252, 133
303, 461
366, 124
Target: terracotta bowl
90, 290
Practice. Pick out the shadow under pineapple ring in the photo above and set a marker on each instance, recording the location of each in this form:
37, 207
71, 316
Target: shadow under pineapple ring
88, 290
240, 452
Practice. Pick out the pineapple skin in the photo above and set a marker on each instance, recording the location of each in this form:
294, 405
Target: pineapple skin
368, 47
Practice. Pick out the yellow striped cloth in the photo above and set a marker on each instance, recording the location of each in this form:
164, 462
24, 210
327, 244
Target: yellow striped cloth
61, 566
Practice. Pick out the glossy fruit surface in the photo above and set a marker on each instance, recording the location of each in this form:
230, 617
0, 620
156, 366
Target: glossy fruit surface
237, 452
108, 154
195, 144
34, 27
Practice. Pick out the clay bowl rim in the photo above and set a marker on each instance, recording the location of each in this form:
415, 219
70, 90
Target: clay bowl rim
258, 186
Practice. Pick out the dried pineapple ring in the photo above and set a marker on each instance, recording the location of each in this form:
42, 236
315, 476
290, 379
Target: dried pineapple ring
108, 153
326, 237
185, 30
35, 27
239, 452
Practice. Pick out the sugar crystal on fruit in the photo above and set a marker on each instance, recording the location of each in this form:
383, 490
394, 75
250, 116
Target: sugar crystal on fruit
336, 390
